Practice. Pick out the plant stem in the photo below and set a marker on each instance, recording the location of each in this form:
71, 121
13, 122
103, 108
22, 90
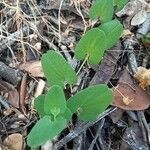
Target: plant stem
85, 59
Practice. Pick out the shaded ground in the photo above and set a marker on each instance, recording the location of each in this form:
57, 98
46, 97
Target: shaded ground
29, 28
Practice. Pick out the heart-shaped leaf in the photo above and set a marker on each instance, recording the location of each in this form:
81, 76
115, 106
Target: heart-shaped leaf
39, 105
102, 9
113, 30
119, 4
91, 45
90, 102
55, 102
45, 130
57, 70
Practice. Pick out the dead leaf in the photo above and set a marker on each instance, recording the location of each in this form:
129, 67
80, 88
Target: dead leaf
33, 67
143, 76
14, 141
10, 92
138, 99
139, 18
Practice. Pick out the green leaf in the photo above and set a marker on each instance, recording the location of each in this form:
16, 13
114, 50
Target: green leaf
119, 4
93, 45
90, 102
102, 9
57, 70
45, 130
67, 114
39, 105
113, 30
55, 102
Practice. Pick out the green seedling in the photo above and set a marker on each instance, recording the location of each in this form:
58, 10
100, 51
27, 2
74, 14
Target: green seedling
53, 108
54, 116
55, 112
94, 43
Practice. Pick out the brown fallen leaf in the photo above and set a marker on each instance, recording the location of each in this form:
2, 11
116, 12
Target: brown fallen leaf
143, 76
129, 96
32, 67
14, 141
11, 92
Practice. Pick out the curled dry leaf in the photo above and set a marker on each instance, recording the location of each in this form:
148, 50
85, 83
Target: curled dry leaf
14, 141
139, 18
129, 96
13, 95
33, 67
143, 76
22, 91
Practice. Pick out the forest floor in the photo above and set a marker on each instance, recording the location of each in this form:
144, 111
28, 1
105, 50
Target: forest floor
29, 28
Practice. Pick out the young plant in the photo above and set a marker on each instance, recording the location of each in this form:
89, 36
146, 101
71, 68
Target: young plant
55, 111
93, 44
53, 108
